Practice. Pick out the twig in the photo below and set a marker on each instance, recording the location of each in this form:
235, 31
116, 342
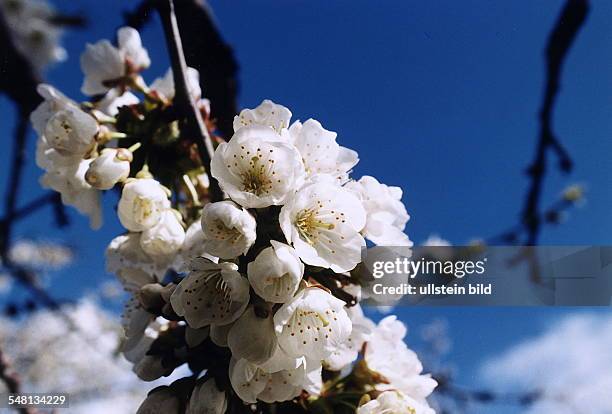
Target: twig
32, 206
194, 125
561, 38
15, 171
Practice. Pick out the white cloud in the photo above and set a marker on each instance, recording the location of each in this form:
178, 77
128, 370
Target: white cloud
570, 364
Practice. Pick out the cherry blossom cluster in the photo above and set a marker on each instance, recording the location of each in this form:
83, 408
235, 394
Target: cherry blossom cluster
254, 292
33, 31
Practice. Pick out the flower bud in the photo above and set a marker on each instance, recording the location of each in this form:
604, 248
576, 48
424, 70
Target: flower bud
165, 238
71, 131
229, 230
142, 203
276, 273
111, 167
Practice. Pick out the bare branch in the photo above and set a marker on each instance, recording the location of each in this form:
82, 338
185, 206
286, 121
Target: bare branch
561, 38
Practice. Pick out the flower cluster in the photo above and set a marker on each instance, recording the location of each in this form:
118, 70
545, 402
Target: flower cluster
33, 31
254, 292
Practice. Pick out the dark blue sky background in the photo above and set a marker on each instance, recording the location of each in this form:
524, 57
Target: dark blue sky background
438, 97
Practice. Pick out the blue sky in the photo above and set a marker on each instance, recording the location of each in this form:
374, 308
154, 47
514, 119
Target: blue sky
438, 97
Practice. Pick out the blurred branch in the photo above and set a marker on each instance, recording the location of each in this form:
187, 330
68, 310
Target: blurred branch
33, 206
69, 20
561, 38
12, 381
15, 171
552, 215
484, 396
206, 51
19, 82
184, 102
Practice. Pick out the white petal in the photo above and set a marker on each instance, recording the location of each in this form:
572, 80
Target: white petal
256, 168
248, 381
266, 114
276, 272
312, 324
252, 337
100, 62
131, 45
229, 230
206, 398
211, 294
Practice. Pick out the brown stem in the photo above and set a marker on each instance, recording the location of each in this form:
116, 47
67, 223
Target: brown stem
194, 125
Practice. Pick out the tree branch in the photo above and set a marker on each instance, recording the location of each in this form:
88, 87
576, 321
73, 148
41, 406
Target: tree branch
561, 38
194, 125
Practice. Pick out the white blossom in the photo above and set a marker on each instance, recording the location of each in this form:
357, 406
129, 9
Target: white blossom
75, 191
111, 167
387, 353
54, 101
280, 361
33, 32
229, 230
322, 221
164, 86
71, 131
166, 237
114, 99
251, 383
192, 247
206, 398
394, 402
320, 151
126, 258
219, 334
266, 114
40, 254
276, 272
72, 139
312, 324
386, 214
252, 337
346, 352
211, 294
102, 63
143, 200
257, 168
